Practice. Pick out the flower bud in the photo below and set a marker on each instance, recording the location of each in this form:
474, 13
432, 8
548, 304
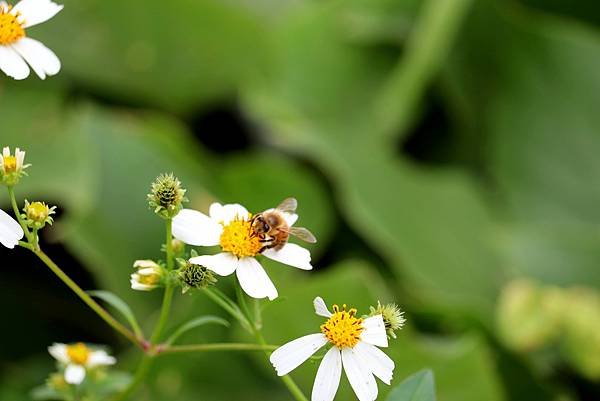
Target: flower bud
194, 276
148, 276
166, 196
393, 317
12, 167
38, 214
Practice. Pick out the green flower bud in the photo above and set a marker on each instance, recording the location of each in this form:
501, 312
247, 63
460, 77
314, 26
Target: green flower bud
38, 214
166, 196
149, 275
393, 317
194, 276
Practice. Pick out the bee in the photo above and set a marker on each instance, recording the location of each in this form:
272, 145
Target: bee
273, 230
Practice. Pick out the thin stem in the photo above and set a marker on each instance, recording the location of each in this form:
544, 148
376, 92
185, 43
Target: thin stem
164, 313
235, 312
217, 347
169, 244
140, 374
13, 202
100, 311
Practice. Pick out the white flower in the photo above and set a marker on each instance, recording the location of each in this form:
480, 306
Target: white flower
10, 231
229, 226
147, 277
77, 358
354, 347
16, 48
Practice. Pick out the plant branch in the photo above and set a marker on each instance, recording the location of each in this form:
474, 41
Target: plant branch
214, 347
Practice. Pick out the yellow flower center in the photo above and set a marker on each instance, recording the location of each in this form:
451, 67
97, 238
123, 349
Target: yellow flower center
9, 163
37, 211
150, 279
237, 238
11, 29
343, 328
78, 353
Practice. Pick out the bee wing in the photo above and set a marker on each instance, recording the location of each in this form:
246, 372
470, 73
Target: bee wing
303, 234
288, 205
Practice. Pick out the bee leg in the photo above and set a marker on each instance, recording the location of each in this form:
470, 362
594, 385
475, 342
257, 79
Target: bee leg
268, 246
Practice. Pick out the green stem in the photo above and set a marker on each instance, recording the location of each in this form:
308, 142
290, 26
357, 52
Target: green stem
138, 379
100, 311
235, 312
426, 49
164, 313
287, 380
13, 202
217, 347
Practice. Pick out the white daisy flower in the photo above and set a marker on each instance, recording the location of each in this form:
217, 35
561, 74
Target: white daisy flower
10, 231
229, 226
16, 49
78, 358
147, 277
354, 343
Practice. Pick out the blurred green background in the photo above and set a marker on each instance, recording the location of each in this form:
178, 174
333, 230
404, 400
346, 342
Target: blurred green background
439, 150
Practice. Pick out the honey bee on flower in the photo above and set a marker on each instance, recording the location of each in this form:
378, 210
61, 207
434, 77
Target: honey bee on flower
242, 237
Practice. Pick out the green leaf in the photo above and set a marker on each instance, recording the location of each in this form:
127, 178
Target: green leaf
119, 305
418, 387
192, 324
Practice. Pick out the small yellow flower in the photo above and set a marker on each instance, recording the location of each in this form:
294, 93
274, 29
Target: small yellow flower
12, 167
38, 214
148, 276
78, 358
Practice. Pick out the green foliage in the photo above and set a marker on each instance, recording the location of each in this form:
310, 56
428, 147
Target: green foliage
418, 387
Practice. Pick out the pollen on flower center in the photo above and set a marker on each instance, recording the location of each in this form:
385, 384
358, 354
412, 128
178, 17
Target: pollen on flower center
343, 328
11, 29
237, 238
9, 163
78, 353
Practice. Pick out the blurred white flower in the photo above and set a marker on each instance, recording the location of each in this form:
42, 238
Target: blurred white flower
16, 49
10, 231
354, 343
229, 226
78, 358
147, 277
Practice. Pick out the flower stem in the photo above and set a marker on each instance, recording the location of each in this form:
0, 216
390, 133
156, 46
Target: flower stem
100, 311
169, 288
229, 308
138, 378
13, 202
216, 347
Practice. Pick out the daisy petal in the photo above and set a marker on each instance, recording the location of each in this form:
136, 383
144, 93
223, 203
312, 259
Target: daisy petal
232, 212
195, 228
35, 12
254, 280
59, 352
321, 308
12, 64
291, 355
74, 374
10, 231
292, 255
361, 379
41, 59
216, 212
290, 218
376, 361
374, 331
100, 358
328, 376
223, 263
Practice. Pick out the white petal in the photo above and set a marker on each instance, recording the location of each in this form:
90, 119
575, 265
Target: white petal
291, 254
35, 12
59, 352
328, 376
41, 59
20, 155
136, 285
195, 228
99, 358
291, 355
223, 263
144, 264
376, 361
6, 151
215, 211
232, 212
74, 374
290, 218
361, 379
321, 308
254, 279
374, 331
10, 231
12, 64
